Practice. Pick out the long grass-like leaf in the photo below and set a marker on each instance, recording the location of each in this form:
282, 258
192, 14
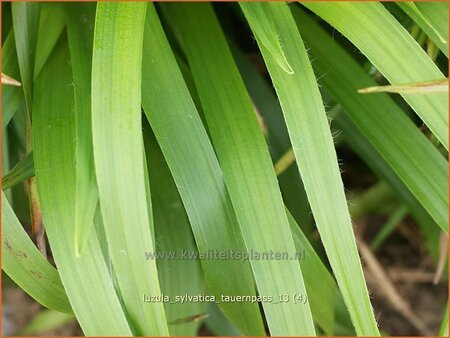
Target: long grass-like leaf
443, 329
11, 95
361, 146
393, 51
197, 174
80, 33
6, 159
119, 159
19, 173
321, 295
269, 38
397, 216
25, 265
316, 158
45, 321
432, 18
266, 101
426, 87
47, 35
241, 147
173, 235
85, 278
219, 324
26, 26
52, 21
413, 158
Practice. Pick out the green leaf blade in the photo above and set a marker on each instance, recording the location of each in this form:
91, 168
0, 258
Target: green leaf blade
44, 321
27, 267
26, 26
321, 295
432, 18
11, 95
412, 157
53, 153
241, 147
80, 33
173, 233
372, 29
21, 171
117, 141
316, 158
52, 21
197, 174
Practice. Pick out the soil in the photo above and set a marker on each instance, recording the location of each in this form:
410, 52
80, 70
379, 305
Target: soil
19, 309
411, 270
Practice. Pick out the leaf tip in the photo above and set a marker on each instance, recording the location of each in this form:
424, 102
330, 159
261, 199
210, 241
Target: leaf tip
7, 80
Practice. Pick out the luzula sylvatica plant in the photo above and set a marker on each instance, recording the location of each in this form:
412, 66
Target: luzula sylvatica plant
139, 128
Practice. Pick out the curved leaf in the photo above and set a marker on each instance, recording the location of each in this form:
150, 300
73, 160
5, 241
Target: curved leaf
413, 158
80, 34
197, 174
119, 159
312, 143
85, 278
241, 147
26, 266
393, 51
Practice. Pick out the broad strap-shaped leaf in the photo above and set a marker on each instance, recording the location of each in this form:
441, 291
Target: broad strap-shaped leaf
26, 266
219, 324
361, 146
119, 159
11, 95
52, 21
241, 147
6, 160
437, 13
268, 37
19, 173
85, 278
173, 235
80, 30
191, 159
312, 143
321, 294
266, 101
382, 39
432, 18
47, 35
26, 26
408, 152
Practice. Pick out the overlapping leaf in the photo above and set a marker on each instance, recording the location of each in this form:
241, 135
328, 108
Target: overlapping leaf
393, 51
27, 267
85, 278
312, 143
80, 34
197, 174
119, 159
412, 157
